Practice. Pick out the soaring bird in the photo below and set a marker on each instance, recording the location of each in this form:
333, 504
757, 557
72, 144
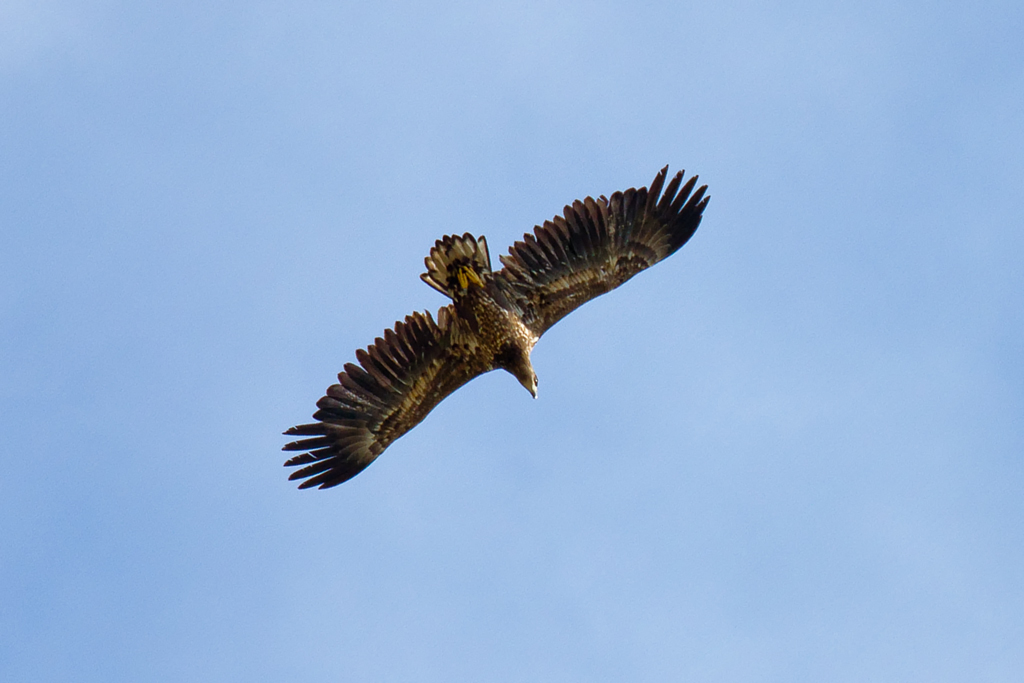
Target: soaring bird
494, 320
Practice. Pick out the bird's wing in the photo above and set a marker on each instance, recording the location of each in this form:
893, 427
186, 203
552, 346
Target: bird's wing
596, 245
399, 379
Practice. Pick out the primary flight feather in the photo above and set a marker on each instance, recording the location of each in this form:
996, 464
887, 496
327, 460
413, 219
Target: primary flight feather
494, 320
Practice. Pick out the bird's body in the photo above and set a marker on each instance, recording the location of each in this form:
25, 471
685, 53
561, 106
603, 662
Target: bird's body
494, 320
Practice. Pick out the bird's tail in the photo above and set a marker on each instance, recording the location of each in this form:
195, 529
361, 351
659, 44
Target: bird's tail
454, 262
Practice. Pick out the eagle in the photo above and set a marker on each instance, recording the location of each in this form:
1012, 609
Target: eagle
493, 321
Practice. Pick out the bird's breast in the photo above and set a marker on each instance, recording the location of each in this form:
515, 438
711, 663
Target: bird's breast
495, 326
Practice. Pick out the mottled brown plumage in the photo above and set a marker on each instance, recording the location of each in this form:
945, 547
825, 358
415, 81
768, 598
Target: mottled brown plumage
494, 319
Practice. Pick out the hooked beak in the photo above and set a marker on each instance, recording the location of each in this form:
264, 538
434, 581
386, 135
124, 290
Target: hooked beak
530, 385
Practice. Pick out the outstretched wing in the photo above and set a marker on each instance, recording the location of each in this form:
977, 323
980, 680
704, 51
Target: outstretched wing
399, 379
596, 245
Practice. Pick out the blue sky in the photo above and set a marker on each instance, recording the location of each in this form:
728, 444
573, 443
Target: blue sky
793, 451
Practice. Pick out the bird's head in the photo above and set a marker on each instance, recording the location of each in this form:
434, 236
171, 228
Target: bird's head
522, 368
529, 381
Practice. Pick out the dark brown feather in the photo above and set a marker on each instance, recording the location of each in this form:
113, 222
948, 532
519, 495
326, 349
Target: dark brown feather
596, 245
398, 381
